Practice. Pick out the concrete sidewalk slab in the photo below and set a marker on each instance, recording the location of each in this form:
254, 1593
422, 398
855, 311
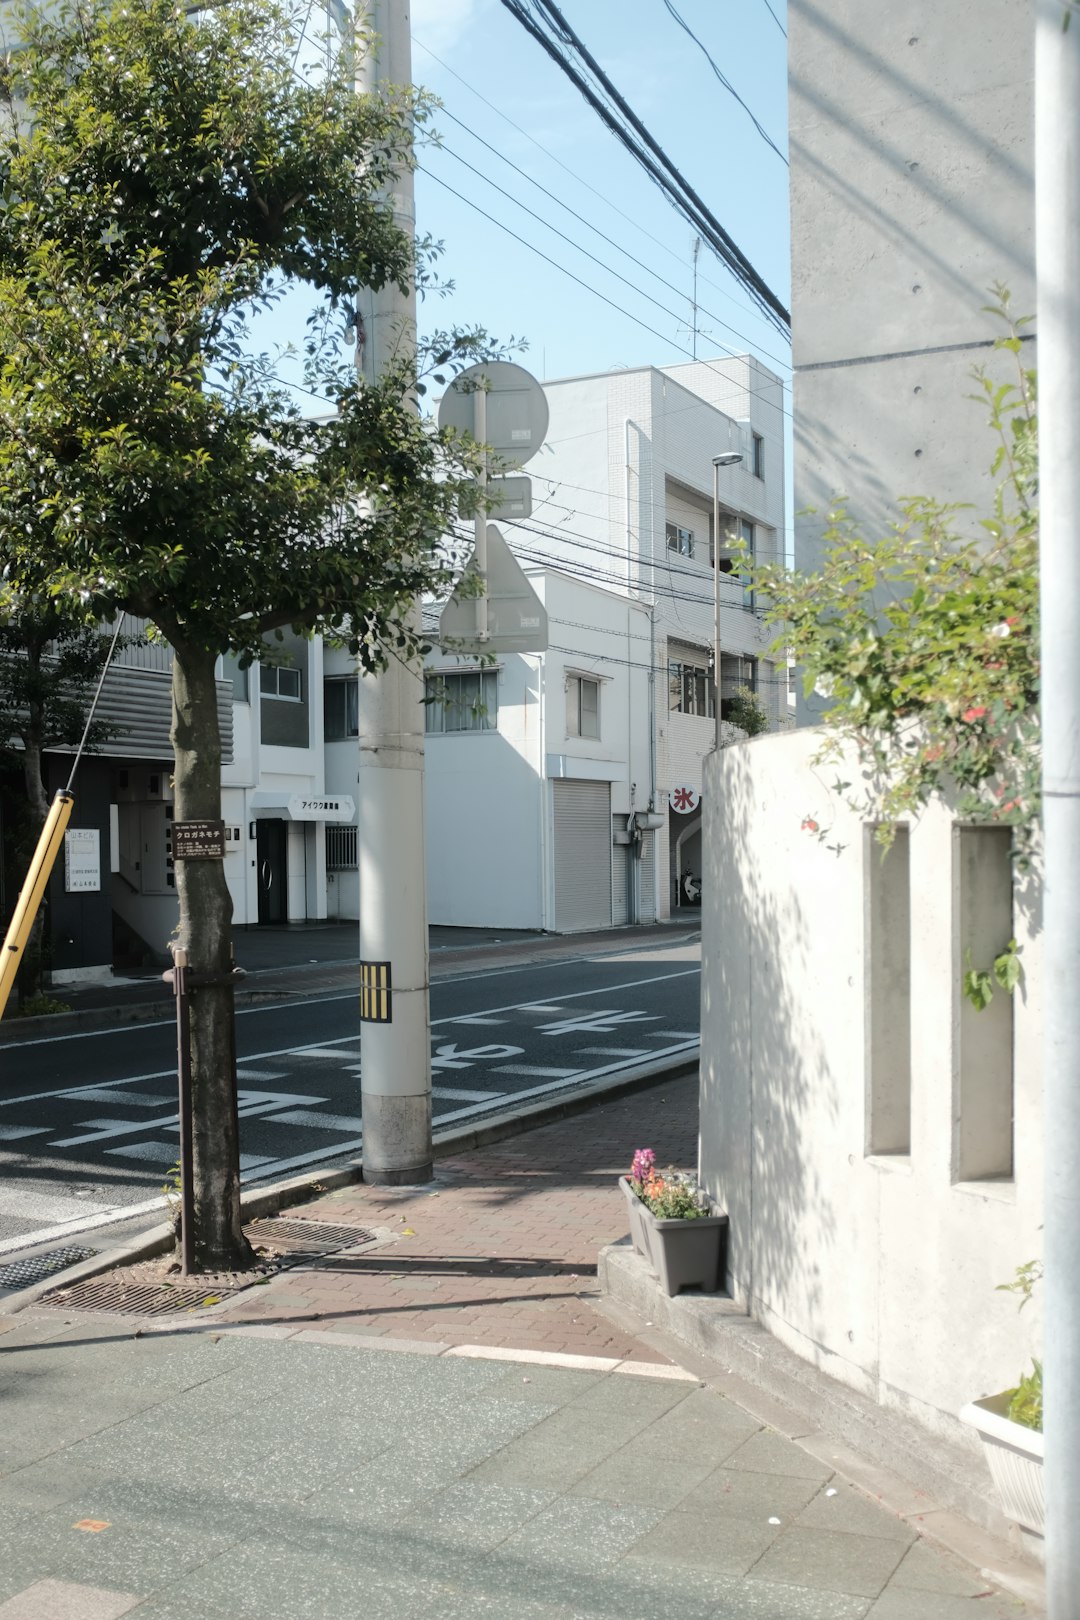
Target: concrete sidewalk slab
257, 1479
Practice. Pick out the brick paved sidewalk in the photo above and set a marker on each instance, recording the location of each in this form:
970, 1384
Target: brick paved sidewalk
501, 1249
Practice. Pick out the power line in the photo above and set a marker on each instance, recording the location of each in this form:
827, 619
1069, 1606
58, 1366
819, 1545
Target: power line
644, 148
570, 240
786, 364
588, 287
548, 153
726, 82
775, 18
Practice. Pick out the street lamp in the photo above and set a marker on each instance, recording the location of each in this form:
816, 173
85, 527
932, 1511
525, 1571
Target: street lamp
730, 458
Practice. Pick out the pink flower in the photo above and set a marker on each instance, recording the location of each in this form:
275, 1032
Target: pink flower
644, 1164
973, 714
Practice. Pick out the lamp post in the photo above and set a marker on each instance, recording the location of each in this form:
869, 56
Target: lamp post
730, 458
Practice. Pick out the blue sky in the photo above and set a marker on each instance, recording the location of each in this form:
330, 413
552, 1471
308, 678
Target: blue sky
486, 70
668, 82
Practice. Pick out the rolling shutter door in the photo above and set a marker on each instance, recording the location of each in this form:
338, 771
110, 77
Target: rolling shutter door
582, 855
647, 879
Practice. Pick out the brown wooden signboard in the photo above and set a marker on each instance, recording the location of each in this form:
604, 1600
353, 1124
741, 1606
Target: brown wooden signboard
198, 840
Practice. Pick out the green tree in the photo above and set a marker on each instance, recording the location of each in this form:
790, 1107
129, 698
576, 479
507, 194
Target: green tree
176, 175
924, 642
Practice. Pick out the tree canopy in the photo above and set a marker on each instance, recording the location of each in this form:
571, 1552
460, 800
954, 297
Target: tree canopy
165, 175
924, 641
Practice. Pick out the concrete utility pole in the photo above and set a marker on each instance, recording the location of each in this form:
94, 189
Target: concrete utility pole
1057, 243
396, 1040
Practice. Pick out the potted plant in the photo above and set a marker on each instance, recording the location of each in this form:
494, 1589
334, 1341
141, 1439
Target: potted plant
1010, 1427
672, 1226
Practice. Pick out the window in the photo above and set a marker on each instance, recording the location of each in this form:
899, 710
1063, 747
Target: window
341, 709
231, 671
690, 690
465, 701
582, 707
746, 529
735, 672
679, 539
758, 455
280, 681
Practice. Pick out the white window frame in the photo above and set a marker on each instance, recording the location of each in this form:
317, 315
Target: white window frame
574, 683
679, 538
442, 713
682, 669
270, 681
351, 688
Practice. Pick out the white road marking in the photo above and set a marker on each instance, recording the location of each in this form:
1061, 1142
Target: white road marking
447, 1056
351, 995
166, 1153
598, 1023
107, 1094
527, 1068
670, 1034
475, 1018
321, 1051
260, 1074
29, 1205
288, 1051
15, 1133
319, 1122
276, 1167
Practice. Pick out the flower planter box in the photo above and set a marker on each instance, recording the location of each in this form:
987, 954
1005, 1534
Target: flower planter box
679, 1253
1015, 1458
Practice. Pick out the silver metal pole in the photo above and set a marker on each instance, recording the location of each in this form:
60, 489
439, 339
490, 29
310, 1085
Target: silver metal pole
716, 597
480, 530
396, 1046
1057, 240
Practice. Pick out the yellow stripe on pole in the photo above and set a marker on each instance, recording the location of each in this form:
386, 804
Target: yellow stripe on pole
33, 890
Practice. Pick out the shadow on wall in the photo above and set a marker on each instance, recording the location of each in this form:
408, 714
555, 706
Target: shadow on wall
763, 1072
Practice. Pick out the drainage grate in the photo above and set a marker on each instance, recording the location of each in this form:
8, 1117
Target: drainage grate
116, 1298
22, 1273
306, 1237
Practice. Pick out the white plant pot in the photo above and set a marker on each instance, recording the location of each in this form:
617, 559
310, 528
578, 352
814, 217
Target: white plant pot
1015, 1457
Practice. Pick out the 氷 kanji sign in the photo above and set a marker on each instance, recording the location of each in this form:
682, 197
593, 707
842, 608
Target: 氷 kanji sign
684, 800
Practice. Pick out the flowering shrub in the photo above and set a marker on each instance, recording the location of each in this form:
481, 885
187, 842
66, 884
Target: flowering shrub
670, 1196
924, 640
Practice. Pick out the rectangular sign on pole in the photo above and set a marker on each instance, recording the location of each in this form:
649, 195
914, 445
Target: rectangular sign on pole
198, 840
82, 860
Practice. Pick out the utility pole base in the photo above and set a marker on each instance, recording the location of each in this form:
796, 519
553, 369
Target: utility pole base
397, 1140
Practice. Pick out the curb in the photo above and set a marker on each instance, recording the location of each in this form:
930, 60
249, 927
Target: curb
301, 1189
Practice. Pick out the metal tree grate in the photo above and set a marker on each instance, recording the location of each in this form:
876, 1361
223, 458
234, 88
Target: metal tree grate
306, 1237
23, 1273
116, 1298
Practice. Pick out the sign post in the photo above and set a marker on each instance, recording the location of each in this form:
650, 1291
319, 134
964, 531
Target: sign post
505, 409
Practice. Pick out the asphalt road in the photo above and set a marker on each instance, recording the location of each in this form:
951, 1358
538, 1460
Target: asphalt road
88, 1120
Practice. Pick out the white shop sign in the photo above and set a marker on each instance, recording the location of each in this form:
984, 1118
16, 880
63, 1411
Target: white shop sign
82, 859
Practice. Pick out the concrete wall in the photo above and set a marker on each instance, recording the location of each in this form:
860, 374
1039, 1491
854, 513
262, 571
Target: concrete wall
911, 195
880, 1267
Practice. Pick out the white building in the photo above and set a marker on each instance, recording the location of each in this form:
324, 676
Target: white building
534, 766
273, 804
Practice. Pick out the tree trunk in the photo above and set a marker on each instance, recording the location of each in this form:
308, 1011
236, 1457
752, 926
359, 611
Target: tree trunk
206, 934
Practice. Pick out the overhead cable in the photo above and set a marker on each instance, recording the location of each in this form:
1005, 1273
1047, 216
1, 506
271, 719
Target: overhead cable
726, 82
547, 25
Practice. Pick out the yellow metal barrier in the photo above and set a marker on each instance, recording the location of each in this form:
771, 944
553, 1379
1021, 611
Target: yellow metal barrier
30, 897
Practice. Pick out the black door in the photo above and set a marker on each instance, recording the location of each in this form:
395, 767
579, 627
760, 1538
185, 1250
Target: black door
272, 863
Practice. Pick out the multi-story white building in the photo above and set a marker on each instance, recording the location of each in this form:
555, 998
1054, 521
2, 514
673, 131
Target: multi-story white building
534, 766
